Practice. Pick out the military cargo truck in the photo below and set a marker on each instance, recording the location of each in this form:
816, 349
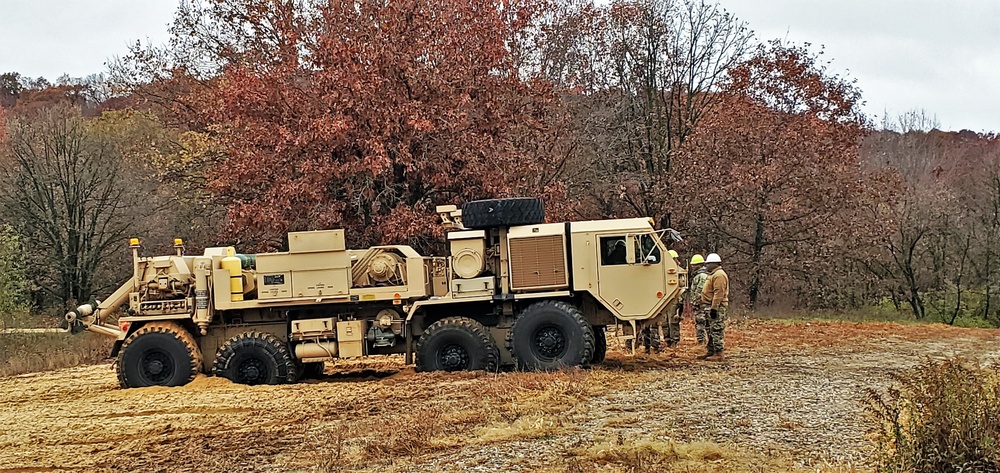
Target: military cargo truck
512, 292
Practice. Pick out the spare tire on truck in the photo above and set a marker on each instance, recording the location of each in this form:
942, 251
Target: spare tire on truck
481, 214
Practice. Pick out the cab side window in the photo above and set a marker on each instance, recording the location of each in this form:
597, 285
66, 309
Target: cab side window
646, 249
613, 250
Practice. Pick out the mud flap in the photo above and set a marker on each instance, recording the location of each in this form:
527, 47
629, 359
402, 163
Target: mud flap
116, 348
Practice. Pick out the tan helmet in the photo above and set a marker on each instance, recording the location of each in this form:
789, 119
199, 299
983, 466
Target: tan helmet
713, 258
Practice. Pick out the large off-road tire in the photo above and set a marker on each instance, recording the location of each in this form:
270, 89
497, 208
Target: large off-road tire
457, 344
550, 335
254, 357
490, 213
158, 354
600, 344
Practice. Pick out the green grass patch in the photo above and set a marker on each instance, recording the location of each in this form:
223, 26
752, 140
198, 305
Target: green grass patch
869, 314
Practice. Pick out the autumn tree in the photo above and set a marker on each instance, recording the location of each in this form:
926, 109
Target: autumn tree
67, 193
940, 253
649, 71
26, 94
774, 172
10, 88
915, 215
360, 115
985, 259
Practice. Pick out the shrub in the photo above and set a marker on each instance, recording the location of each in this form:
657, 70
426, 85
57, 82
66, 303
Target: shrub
14, 285
942, 416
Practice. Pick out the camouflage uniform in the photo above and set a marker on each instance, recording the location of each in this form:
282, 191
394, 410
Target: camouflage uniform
715, 295
650, 333
673, 329
694, 298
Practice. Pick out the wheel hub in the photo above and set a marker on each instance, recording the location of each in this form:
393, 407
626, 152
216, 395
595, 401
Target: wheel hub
157, 367
454, 358
252, 371
550, 342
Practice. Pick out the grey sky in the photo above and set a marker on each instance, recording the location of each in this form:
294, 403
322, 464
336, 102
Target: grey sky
51, 37
941, 56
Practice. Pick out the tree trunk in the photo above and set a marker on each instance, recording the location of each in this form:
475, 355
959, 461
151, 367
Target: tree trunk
756, 275
958, 280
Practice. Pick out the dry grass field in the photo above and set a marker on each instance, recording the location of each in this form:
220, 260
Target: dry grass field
787, 397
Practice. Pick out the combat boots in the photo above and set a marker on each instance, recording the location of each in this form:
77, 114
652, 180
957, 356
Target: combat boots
714, 355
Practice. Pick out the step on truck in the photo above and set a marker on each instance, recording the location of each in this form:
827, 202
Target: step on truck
513, 292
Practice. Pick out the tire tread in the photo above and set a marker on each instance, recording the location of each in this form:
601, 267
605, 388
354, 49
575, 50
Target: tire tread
169, 328
492, 361
577, 317
490, 213
257, 339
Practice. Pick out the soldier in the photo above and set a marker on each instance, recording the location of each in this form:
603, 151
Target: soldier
660, 327
715, 302
673, 315
697, 280
650, 333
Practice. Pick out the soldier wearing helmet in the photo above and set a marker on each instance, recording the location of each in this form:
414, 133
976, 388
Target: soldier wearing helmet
715, 303
674, 313
673, 254
697, 280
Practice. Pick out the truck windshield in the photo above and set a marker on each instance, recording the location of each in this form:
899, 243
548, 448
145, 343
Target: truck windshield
648, 248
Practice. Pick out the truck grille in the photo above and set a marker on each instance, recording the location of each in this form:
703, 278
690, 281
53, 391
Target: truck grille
538, 262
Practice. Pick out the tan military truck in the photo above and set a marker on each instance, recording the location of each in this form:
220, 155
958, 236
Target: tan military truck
513, 292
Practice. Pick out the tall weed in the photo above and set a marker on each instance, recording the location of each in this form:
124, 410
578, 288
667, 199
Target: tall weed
942, 416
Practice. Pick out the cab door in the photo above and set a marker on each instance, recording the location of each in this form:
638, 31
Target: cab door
631, 274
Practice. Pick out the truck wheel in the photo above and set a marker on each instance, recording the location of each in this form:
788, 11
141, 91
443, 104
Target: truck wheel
551, 335
600, 344
480, 214
255, 358
158, 354
457, 344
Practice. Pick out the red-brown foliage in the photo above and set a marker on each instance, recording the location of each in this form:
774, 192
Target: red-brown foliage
365, 115
774, 174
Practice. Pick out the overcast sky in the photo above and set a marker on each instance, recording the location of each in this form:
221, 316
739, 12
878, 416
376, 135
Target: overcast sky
937, 55
942, 56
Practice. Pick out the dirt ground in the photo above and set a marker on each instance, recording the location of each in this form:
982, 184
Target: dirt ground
787, 396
